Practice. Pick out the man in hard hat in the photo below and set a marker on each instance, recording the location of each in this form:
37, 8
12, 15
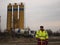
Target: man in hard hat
42, 36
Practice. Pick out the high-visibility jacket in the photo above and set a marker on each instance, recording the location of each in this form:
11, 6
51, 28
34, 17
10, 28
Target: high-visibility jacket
42, 34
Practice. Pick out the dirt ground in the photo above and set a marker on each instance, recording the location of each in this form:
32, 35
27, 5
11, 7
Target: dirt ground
27, 41
28, 44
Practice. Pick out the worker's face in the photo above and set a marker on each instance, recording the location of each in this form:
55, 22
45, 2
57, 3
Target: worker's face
42, 28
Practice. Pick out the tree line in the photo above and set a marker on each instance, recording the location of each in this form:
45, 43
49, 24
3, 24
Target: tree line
51, 33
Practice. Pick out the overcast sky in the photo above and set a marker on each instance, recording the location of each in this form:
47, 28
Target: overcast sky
37, 12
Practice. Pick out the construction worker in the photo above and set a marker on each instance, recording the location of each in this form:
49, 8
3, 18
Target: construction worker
42, 36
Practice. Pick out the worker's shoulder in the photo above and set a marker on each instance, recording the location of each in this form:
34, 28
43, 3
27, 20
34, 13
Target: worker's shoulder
45, 31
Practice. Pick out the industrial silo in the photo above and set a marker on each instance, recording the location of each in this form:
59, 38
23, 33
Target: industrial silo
9, 17
15, 16
21, 16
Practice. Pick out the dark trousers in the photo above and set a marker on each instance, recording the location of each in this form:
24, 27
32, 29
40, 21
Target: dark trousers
42, 42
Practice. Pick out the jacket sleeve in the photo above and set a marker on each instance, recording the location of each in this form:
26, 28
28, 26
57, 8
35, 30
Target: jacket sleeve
46, 35
36, 34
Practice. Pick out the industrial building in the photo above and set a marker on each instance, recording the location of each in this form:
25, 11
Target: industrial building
13, 22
